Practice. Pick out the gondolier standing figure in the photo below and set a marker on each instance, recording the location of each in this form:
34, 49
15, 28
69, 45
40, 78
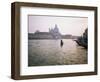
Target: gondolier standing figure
61, 43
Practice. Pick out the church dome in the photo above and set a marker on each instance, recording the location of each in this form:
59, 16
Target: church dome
56, 28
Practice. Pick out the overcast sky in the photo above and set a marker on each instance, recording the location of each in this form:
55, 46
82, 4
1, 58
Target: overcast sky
67, 25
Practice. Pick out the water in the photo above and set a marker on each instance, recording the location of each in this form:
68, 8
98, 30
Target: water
50, 52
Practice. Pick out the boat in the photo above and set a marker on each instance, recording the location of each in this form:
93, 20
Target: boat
81, 43
83, 40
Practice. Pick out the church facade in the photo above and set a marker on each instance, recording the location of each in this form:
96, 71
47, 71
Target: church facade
53, 33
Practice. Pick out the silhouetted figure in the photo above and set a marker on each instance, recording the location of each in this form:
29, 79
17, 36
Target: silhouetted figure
61, 43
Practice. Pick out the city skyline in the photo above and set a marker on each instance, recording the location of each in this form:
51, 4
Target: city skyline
66, 25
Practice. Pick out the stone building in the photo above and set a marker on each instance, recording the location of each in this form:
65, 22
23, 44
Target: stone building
53, 33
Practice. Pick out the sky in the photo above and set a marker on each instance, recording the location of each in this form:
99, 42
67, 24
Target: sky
67, 25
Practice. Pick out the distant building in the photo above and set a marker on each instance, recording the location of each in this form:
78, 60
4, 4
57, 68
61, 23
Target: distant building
52, 34
68, 36
55, 32
42, 35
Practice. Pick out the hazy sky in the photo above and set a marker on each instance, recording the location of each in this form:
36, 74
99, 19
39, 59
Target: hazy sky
66, 25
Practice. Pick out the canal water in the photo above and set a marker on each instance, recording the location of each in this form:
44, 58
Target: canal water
51, 52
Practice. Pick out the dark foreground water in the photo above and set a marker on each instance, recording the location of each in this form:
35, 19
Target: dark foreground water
50, 52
